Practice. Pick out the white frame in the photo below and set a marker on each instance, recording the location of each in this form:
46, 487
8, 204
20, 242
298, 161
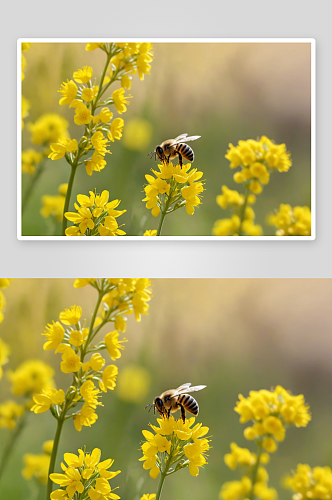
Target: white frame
312, 41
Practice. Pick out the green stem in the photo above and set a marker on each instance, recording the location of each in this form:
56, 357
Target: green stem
161, 222
161, 484
243, 211
68, 195
10, 445
255, 469
93, 319
33, 181
54, 453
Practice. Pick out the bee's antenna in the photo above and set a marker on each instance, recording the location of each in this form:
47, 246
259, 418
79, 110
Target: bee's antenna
150, 404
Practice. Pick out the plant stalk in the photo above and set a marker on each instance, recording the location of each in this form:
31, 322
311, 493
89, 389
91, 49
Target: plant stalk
54, 453
68, 195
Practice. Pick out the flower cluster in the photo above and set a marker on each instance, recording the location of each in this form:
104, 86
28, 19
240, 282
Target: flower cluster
291, 221
122, 296
31, 377
4, 283
257, 160
85, 475
239, 204
10, 412
310, 483
37, 465
53, 205
70, 338
85, 97
271, 412
173, 187
25, 47
95, 216
175, 445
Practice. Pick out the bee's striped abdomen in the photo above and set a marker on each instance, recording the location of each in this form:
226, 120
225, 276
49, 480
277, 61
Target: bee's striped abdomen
186, 152
189, 403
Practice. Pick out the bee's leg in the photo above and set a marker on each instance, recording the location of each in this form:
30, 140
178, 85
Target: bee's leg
180, 159
168, 413
183, 413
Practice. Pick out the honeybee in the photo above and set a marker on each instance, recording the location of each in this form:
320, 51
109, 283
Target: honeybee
170, 149
174, 399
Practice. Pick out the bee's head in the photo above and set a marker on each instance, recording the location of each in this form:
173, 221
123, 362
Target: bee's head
160, 152
159, 404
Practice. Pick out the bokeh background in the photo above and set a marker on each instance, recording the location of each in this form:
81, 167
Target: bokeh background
233, 335
224, 92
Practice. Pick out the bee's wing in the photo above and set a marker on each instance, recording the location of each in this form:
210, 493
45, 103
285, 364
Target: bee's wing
180, 137
183, 388
192, 138
187, 389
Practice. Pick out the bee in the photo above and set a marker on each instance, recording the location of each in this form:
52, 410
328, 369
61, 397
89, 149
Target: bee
175, 399
170, 149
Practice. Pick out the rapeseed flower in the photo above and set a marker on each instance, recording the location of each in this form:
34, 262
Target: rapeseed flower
291, 221
85, 474
95, 216
31, 377
37, 465
49, 128
30, 159
257, 160
307, 482
174, 445
173, 187
10, 411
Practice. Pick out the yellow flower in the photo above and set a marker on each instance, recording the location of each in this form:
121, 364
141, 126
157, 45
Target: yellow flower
239, 456
36, 466
53, 205
96, 163
10, 411
307, 482
68, 91
82, 115
148, 496
54, 333
70, 360
31, 377
120, 100
63, 146
195, 452
104, 116
71, 479
4, 353
292, 221
83, 218
83, 75
109, 378
150, 232
133, 384
78, 337
30, 158
116, 129
25, 109
226, 227
234, 490
47, 398
88, 94
86, 417
113, 344
99, 142
96, 362
71, 316
48, 128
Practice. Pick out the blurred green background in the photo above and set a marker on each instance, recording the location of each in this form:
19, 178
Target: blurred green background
224, 92
233, 335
